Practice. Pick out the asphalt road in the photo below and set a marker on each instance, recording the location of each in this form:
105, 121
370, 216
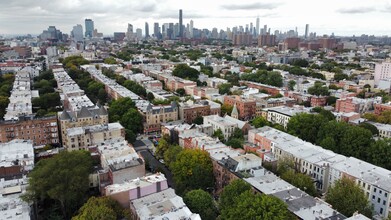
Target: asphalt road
154, 164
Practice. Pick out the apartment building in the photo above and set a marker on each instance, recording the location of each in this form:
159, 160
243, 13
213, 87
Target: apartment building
21, 95
353, 104
379, 107
155, 115
79, 138
282, 114
246, 108
136, 188
190, 110
326, 166
217, 122
85, 117
120, 162
40, 131
17, 159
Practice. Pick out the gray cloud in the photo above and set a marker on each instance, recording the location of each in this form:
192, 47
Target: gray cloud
356, 10
251, 6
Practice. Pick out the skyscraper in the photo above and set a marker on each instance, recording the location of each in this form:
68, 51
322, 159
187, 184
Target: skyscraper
191, 29
156, 30
129, 32
307, 26
77, 33
180, 24
257, 27
146, 30
89, 27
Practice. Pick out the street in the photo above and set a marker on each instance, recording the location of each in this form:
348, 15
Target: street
145, 150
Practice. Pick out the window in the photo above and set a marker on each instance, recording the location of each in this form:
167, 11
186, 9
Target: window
374, 189
384, 202
381, 210
378, 200
373, 197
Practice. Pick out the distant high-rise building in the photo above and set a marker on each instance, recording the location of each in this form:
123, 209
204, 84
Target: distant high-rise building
139, 33
306, 31
146, 30
257, 27
180, 24
251, 28
129, 32
156, 31
119, 36
89, 24
77, 33
191, 29
265, 29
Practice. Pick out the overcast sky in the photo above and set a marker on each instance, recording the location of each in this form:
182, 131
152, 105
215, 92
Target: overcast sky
343, 17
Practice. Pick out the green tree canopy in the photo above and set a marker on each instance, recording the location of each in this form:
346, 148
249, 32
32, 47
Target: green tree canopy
202, 203
192, 170
102, 208
232, 191
265, 77
63, 178
218, 134
291, 84
225, 88
170, 155
306, 126
119, 107
253, 206
347, 197
318, 89
259, 122
300, 180
186, 72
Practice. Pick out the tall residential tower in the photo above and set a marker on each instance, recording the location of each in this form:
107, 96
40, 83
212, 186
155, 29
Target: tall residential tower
89, 24
180, 35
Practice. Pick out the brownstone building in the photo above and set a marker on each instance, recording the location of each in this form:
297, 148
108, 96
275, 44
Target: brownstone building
266, 40
246, 108
40, 131
189, 112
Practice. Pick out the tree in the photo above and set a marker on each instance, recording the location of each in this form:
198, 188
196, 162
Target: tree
4, 101
101, 208
300, 180
219, 134
265, 77
185, 72
340, 76
199, 120
119, 107
162, 147
181, 91
232, 191
202, 203
130, 136
224, 88
300, 63
331, 100
150, 96
318, 89
380, 152
235, 143
291, 84
171, 154
259, 122
347, 198
372, 128
306, 126
226, 109
192, 169
63, 178
132, 120
253, 206
110, 60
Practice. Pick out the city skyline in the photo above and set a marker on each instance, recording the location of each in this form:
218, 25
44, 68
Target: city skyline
341, 18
